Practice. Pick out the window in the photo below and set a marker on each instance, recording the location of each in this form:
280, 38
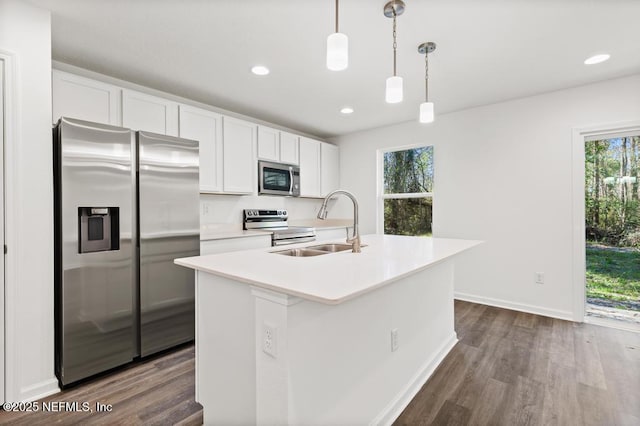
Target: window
407, 191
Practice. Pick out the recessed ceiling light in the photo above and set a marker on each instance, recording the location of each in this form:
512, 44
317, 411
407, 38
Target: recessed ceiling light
346, 110
596, 59
260, 70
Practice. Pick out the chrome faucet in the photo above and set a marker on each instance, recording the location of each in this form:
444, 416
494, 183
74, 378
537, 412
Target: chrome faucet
322, 214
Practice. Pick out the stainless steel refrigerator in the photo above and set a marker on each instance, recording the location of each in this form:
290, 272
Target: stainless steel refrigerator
126, 204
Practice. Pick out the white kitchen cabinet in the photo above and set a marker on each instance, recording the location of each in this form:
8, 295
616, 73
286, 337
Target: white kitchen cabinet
239, 156
205, 127
274, 145
289, 148
150, 113
235, 244
85, 99
330, 168
332, 233
309, 167
268, 143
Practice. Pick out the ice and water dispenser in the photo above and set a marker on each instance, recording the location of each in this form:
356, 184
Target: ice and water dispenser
98, 229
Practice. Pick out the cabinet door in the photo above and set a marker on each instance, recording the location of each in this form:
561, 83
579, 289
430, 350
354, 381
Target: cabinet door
268, 143
239, 156
205, 127
150, 113
330, 168
289, 148
309, 167
234, 244
85, 99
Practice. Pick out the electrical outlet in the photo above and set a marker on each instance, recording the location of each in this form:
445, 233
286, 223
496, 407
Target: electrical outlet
270, 340
394, 340
205, 208
539, 277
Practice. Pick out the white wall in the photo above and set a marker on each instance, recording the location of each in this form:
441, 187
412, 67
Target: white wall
502, 175
25, 36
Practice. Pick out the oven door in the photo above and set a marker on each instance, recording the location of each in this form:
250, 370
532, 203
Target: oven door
278, 179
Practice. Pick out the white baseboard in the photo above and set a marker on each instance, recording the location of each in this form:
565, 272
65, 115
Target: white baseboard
522, 307
39, 390
391, 412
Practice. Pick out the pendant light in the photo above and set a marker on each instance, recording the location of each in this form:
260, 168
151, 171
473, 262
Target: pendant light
337, 49
393, 93
426, 108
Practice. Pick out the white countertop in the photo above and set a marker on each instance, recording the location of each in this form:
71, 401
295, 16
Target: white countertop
335, 277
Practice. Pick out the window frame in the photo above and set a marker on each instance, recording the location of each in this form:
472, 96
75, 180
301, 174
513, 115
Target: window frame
380, 194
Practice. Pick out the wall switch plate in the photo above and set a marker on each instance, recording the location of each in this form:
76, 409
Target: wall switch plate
270, 340
394, 340
539, 277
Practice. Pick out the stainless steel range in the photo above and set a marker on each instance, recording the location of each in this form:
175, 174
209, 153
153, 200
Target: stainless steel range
275, 221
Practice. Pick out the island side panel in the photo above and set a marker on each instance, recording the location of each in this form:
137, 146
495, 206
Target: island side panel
340, 363
225, 350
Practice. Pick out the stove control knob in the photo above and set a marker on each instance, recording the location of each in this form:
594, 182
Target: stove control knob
284, 212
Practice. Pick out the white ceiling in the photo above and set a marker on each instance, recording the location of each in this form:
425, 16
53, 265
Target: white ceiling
488, 51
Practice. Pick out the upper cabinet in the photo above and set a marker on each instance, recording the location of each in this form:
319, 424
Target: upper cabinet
205, 127
150, 113
275, 145
289, 148
229, 147
239, 156
309, 167
268, 143
319, 168
330, 168
84, 99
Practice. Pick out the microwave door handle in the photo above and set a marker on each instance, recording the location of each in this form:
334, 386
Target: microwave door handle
290, 180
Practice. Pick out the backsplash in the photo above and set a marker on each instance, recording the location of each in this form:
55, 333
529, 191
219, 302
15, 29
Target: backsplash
224, 212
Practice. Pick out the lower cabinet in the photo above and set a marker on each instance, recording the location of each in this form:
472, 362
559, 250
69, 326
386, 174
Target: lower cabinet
332, 234
234, 244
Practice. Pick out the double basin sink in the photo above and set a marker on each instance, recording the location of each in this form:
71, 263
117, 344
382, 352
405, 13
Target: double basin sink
315, 250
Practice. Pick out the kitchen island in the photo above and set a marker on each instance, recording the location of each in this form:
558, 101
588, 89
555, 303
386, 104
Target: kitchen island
337, 338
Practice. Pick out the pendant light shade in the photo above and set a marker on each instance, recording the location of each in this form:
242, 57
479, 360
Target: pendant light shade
337, 49
426, 112
337, 52
426, 108
393, 94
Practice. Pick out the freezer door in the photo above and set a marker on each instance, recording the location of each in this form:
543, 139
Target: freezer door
94, 280
169, 224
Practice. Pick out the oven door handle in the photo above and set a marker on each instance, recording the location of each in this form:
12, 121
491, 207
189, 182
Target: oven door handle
290, 180
293, 241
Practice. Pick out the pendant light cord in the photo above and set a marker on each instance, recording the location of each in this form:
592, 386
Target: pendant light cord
337, 16
395, 44
426, 77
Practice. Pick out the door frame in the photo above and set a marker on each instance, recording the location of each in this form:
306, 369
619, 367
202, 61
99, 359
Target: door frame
580, 135
2, 242
10, 238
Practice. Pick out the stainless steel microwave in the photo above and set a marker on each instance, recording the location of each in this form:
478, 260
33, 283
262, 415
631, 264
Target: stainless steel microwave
278, 179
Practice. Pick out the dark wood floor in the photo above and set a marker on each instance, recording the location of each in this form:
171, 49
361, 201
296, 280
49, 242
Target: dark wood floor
514, 368
509, 368
158, 391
